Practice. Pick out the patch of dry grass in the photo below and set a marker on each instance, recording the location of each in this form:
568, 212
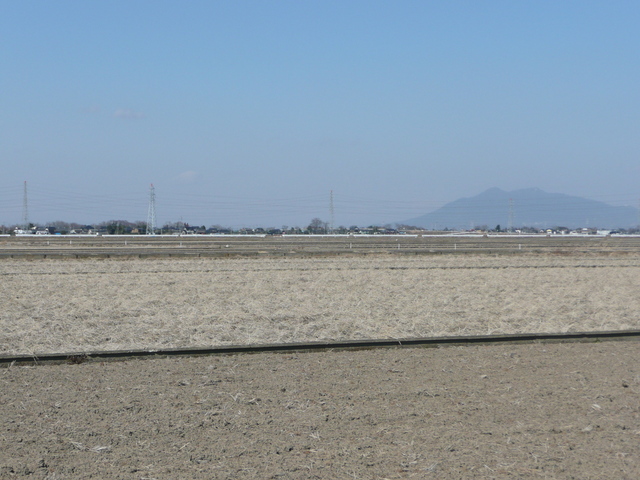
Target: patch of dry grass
84, 305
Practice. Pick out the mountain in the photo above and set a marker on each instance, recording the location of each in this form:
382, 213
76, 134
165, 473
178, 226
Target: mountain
530, 207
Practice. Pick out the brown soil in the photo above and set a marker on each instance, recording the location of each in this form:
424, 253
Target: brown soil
524, 411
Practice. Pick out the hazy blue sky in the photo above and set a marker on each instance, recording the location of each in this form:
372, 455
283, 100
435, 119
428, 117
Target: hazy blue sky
251, 112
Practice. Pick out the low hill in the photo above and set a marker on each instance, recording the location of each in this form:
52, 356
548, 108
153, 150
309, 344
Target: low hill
531, 207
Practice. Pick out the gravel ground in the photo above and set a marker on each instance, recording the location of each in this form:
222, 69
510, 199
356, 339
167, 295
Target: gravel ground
511, 411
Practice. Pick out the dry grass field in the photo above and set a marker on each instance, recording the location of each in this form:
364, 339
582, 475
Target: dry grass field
74, 305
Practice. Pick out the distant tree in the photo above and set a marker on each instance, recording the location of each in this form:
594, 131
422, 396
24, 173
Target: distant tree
498, 228
317, 226
60, 225
172, 227
404, 226
117, 227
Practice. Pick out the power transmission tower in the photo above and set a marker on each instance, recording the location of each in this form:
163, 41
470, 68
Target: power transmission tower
331, 212
151, 217
510, 223
25, 208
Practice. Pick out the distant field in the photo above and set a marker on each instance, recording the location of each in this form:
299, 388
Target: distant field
143, 246
95, 304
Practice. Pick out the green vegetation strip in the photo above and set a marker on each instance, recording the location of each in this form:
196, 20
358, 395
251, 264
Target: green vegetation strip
81, 357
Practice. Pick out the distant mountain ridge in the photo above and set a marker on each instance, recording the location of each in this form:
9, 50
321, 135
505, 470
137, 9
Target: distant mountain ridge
531, 207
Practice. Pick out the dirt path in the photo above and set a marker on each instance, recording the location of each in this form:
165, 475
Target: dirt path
526, 411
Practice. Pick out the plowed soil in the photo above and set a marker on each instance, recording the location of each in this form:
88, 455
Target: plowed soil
524, 411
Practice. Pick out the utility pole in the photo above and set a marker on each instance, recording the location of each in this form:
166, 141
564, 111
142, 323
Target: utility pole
25, 208
151, 216
331, 212
510, 223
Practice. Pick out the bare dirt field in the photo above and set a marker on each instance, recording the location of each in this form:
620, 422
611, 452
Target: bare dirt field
112, 304
554, 411
504, 411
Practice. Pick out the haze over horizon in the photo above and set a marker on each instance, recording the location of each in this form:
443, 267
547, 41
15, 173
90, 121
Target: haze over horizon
250, 113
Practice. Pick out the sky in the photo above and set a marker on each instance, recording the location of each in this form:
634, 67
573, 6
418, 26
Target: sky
258, 113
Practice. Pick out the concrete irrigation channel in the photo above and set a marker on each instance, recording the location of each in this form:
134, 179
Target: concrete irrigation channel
436, 342
289, 245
